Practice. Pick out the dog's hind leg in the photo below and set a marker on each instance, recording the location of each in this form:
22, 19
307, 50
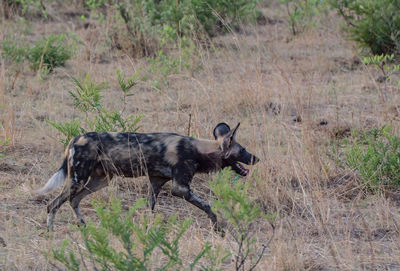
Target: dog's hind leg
53, 206
79, 170
95, 183
156, 185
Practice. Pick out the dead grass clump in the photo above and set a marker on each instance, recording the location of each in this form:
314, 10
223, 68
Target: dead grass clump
346, 186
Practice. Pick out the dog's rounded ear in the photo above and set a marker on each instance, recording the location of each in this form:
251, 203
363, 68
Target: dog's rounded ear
221, 129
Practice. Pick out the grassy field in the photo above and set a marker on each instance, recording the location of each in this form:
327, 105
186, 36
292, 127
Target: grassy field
296, 98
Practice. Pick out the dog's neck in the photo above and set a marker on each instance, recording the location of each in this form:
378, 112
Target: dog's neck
210, 155
205, 146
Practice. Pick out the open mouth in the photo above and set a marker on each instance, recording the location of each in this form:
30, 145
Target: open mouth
240, 169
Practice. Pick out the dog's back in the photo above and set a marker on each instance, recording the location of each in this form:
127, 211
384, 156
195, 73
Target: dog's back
128, 154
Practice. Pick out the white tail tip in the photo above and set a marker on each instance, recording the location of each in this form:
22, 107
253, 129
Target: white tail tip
55, 181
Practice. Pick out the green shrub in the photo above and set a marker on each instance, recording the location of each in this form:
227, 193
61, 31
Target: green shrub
13, 52
23, 7
87, 99
3, 146
241, 212
124, 242
143, 21
374, 24
385, 64
121, 243
302, 13
45, 55
163, 65
3, 143
212, 16
376, 156
50, 52
68, 129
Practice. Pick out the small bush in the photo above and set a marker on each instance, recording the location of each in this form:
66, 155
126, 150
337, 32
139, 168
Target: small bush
3, 143
385, 64
241, 212
376, 156
68, 129
124, 242
23, 7
45, 55
142, 22
301, 14
374, 24
212, 16
49, 53
163, 65
121, 243
13, 52
3, 146
87, 99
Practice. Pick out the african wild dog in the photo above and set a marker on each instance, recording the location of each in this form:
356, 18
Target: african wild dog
91, 160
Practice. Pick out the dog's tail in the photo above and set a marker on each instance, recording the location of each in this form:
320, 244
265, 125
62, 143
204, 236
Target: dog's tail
56, 180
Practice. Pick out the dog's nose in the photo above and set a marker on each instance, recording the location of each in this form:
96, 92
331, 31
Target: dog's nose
255, 160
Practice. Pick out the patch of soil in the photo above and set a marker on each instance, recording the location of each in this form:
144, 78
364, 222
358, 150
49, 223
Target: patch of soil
340, 132
346, 64
273, 108
334, 130
393, 196
5, 167
375, 235
346, 186
2, 242
264, 20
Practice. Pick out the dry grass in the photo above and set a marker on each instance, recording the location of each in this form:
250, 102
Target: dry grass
324, 219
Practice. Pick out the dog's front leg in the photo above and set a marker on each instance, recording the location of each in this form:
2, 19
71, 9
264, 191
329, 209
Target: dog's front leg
180, 188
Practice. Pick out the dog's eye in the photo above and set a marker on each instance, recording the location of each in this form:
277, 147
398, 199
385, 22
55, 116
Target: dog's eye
242, 150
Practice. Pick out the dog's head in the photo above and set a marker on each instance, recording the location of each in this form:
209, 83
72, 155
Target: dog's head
233, 154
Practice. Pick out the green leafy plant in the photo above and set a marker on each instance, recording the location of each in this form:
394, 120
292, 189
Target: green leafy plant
13, 52
212, 17
384, 63
23, 7
215, 257
3, 146
87, 94
374, 24
88, 100
93, 4
302, 13
44, 55
120, 242
68, 129
375, 155
144, 22
162, 65
241, 212
3, 143
49, 52
128, 242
